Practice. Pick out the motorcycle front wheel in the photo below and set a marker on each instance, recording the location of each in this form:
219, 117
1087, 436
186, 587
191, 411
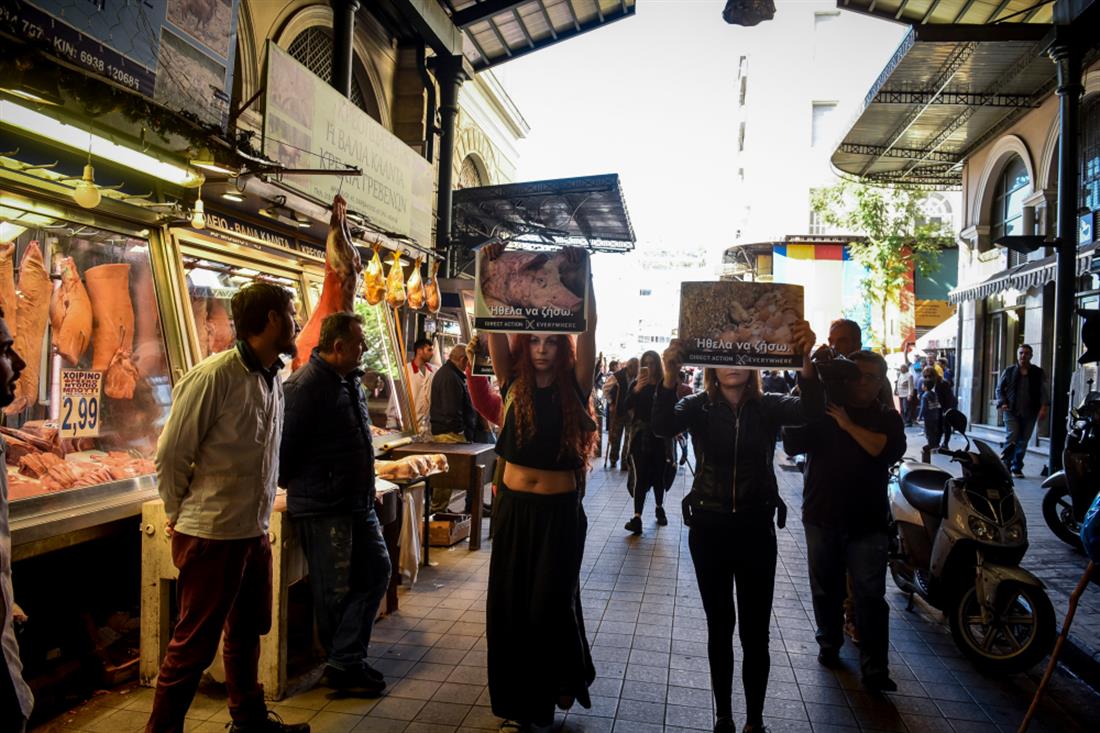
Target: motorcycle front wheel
1019, 634
1058, 513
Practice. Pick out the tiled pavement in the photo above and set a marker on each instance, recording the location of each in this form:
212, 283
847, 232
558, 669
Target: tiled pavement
646, 623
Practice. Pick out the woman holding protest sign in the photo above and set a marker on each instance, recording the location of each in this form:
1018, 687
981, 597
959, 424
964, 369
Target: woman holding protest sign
652, 459
538, 655
731, 508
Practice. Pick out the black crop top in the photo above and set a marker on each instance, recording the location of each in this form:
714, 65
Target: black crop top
541, 450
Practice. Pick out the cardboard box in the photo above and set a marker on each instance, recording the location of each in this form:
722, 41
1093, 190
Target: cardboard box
445, 530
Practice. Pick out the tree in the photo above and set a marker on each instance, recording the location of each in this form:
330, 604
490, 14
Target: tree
896, 233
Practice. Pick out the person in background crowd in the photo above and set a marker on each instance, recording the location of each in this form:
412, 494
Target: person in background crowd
1023, 397
420, 373
844, 513
453, 417
326, 464
538, 655
905, 391
946, 398
775, 381
731, 510
16, 700
652, 459
620, 417
946, 372
217, 470
684, 389
931, 414
607, 391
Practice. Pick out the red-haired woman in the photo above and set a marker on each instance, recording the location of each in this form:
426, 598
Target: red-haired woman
537, 648
731, 508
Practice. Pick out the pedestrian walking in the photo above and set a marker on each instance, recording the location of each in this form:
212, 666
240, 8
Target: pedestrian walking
1023, 397
16, 699
327, 466
217, 470
538, 655
905, 390
931, 415
731, 510
620, 416
652, 459
845, 513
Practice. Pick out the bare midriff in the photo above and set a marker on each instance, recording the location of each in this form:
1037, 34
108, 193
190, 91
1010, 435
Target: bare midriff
539, 480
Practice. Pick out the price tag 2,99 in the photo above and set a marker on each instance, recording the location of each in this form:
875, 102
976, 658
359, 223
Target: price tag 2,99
81, 394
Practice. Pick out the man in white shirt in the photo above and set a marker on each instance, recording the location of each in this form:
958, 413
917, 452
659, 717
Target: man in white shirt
421, 372
217, 470
16, 700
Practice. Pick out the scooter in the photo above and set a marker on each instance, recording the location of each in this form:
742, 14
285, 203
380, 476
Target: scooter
959, 543
1069, 492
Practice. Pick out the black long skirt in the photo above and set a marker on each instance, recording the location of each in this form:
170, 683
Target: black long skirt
538, 650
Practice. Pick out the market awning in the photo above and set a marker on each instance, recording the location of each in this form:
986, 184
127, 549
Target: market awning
947, 90
588, 211
500, 30
1032, 274
954, 11
942, 336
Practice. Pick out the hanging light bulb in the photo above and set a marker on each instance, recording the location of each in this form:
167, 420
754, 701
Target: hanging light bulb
86, 194
198, 214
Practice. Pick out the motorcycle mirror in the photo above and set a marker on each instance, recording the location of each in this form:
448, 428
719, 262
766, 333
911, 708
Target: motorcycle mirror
956, 420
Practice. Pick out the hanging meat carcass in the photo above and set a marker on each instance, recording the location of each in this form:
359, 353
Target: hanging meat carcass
8, 300
32, 313
113, 328
395, 283
342, 268
431, 288
71, 314
415, 287
374, 281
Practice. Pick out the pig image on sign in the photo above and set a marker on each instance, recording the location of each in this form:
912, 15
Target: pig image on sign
528, 279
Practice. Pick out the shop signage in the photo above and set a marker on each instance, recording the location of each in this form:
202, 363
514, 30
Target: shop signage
259, 238
308, 124
931, 313
1084, 229
81, 391
179, 52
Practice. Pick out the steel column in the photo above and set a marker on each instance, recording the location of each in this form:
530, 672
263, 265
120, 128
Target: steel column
450, 73
343, 35
1067, 58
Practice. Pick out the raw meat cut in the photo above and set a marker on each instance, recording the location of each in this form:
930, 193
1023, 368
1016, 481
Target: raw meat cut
149, 350
32, 313
112, 328
199, 308
71, 314
8, 300
415, 287
342, 268
374, 281
395, 283
412, 467
219, 328
431, 288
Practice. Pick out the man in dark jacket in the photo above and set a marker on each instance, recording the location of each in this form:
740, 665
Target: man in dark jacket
1023, 397
327, 467
845, 513
452, 414
619, 418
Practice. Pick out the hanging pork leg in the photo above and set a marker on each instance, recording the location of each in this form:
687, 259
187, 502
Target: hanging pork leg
112, 328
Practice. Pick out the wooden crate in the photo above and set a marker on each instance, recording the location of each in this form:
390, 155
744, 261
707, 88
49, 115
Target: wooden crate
445, 530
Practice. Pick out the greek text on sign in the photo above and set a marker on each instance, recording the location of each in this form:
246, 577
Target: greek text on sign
81, 394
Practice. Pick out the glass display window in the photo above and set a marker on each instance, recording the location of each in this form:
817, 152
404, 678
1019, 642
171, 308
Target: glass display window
94, 396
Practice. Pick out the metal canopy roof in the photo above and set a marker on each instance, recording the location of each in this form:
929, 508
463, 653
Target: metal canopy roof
588, 211
946, 91
500, 30
954, 11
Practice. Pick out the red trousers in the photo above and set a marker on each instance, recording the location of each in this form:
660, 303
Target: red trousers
224, 585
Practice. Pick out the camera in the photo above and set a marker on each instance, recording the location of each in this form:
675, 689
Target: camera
836, 372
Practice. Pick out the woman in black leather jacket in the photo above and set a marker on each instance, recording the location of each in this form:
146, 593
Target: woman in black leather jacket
731, 507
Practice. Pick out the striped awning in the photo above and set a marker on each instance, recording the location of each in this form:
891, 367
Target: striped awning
1034, 274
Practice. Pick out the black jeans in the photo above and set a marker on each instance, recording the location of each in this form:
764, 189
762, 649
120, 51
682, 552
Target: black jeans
349, 571
725, 547
832, 555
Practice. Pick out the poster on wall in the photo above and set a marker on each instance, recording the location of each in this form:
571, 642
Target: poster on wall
532, 292
740, 324
179, 52
308, 124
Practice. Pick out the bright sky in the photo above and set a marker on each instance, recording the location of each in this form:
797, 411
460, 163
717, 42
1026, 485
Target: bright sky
649, 98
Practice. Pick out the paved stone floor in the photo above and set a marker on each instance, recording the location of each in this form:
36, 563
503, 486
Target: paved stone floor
647, 627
